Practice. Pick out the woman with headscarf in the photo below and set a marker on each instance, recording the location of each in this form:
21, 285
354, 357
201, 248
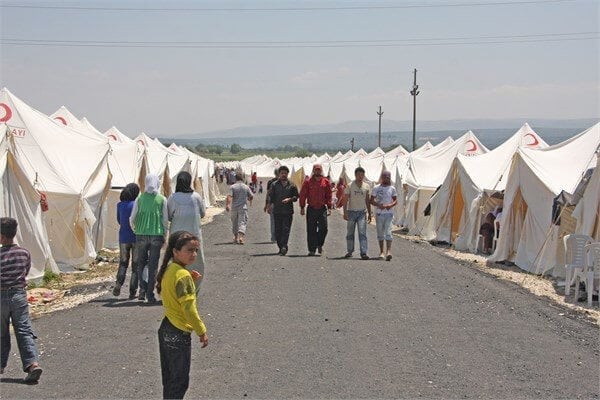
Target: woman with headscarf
186, 209
149, 222
127, 241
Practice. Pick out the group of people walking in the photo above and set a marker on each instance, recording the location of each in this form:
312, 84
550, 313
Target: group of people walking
316, 203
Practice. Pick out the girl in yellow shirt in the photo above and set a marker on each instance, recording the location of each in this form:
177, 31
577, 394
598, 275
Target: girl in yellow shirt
177, 288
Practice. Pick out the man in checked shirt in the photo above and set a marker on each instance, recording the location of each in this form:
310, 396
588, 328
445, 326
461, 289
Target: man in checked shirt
15, 263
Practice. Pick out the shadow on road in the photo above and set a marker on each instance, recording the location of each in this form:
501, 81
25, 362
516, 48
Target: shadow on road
225, 244
18, 381
265, 255
118, 303
263, 243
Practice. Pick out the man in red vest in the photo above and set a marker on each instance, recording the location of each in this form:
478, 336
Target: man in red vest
316, 191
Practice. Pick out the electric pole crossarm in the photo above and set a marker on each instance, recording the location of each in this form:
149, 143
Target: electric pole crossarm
414, 93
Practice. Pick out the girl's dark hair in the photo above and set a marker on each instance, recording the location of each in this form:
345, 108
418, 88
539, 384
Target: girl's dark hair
130, 192
184, 182
176, 241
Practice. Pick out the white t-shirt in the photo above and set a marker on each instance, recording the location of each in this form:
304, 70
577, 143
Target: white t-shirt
384, 195
356, 196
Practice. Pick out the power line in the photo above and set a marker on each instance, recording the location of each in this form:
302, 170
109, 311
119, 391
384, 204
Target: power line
283, 9
124, 42
234, 45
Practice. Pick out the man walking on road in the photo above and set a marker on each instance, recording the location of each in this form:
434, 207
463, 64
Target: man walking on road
271, 216
384, 197
316, 191
357, 211
237, 202
281, 200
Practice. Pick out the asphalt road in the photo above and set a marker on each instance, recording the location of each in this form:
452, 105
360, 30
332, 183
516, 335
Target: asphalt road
421, 325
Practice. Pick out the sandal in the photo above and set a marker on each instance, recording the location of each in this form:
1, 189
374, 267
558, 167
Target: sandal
33, 374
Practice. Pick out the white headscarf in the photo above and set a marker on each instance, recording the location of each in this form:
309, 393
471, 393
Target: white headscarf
152, 184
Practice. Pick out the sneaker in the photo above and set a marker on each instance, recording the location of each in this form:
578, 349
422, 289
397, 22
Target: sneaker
151, 301
348, 255
33, 374
132, 296
1, 371
283, 251
388, 257
381, 256
142, 296
364, 257
320, 249
311, 253
117, 290
241, 240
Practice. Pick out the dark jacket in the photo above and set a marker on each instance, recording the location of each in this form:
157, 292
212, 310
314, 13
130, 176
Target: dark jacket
278, 192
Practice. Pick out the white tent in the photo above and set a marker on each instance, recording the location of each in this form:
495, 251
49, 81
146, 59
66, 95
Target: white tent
155, 162
427, 171
20, 200
536, 177
70, 168
458, 207
587, 211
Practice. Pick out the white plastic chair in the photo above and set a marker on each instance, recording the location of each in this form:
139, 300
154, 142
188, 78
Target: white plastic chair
574, 257
591, 271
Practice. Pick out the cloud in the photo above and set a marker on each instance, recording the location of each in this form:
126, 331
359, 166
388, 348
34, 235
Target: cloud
309, 77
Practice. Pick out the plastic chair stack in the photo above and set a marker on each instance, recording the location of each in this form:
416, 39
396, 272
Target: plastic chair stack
574, 258
590, 272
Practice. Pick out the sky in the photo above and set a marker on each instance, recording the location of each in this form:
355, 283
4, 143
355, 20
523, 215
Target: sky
335, 61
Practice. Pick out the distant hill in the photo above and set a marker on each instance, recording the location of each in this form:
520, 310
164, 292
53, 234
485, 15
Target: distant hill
332, 140
388, 126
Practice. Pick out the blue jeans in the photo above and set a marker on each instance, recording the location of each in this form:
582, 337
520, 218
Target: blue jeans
175, 350
357, 219
15, 309
384, 226
148, 249
128, 251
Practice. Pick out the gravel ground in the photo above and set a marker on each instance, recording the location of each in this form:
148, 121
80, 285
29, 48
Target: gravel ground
420, 326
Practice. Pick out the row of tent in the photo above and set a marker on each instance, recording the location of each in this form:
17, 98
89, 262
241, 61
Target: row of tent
61, 179
460, 181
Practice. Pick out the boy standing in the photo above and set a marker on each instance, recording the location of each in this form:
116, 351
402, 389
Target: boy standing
357, 211
15, 263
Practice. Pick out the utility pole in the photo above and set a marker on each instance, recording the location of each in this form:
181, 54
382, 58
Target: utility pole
380, 113
414, 93
352, 144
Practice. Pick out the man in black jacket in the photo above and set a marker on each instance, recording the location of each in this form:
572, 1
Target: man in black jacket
271, 216
280, 199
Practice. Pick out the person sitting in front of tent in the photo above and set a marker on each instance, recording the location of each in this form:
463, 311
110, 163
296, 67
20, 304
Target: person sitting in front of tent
487, 232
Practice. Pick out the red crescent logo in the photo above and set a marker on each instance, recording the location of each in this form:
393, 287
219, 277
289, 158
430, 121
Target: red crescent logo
474, 145
61, 119
7, 112
535, 141
113, 137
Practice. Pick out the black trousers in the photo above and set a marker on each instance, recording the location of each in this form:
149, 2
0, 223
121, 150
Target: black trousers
283, 224
175, 347
316, 227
